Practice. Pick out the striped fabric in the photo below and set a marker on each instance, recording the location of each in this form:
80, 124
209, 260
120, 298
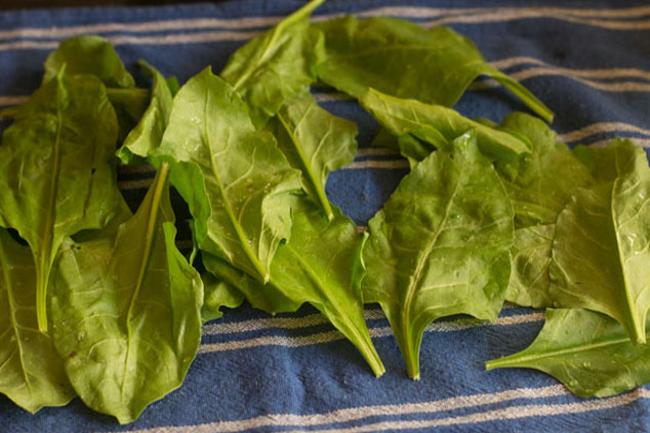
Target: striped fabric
589, 61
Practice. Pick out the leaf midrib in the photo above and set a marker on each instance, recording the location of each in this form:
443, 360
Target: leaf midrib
262, 273
47, 236
526, 359
148, 244
311, 176
415, 281
363, 344
638, 330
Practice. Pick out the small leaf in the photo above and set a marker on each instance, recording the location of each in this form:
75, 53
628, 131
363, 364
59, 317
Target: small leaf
315, 142
588, 352
437, 125
145, 138
440, 246
278, 65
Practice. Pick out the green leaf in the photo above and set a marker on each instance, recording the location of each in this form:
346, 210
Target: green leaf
320, 265
437, 125
278, 65
92, 55
237, 183
315, 142
59, 154
31, 372
440, 246
261, 296
541, 182
588, 352
408, 146
600, 250
129, 105
145, 138
531, 258
405, 60
600, 161
127, 311
218, 294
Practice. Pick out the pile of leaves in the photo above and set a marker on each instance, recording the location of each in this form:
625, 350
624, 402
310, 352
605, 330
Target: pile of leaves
97, 301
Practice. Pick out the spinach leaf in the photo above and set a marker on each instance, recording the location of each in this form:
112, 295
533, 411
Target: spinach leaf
600, 161
127, 311
541, 182
264, 297
88, 55
31, 372
531, 258
278, 65
59, 154
404, 60
145, 138
237, 183
437, 125
440, 246
315, 142
218, 294
94, 55
588, 352
409, 146
600, 255
320, 265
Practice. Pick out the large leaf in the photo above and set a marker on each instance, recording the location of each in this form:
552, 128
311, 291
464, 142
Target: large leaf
57, 174
588, 352
440, 246
31, 371
320, 265
600, 250
407, 61
315, 142
437, 125
145, 138
278, 65
127, 311
237, 183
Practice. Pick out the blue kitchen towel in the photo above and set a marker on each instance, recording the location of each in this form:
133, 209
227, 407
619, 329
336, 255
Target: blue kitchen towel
588, 60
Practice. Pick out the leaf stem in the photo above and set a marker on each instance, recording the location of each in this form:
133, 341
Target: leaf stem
524, 94
411, 358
